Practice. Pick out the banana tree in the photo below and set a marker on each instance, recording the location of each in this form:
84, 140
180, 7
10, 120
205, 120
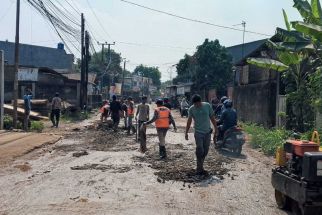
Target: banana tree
301, 52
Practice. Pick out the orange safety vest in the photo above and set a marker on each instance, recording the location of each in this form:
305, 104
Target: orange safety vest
130, 111
163, 120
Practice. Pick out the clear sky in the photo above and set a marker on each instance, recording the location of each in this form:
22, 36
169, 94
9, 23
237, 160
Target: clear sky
160, 40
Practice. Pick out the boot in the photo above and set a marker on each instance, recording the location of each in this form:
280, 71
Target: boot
200, 170
162, 152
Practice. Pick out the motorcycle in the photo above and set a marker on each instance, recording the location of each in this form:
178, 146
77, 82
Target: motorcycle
233, 140
184, 112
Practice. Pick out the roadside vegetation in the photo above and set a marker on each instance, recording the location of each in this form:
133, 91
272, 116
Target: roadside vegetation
75, 116
268, 140
37, 126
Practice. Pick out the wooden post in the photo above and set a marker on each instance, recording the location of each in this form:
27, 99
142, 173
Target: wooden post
15, 83
1, 88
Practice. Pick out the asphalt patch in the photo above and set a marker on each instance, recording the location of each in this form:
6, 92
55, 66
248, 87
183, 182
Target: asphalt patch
180, 166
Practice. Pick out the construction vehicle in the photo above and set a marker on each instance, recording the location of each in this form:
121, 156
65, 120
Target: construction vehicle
297, 179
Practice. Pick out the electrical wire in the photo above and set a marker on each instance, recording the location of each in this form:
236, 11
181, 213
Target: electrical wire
6, 11
193, 20
99, 22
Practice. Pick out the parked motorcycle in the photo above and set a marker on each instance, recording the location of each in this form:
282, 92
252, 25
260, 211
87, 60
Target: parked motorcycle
233, 140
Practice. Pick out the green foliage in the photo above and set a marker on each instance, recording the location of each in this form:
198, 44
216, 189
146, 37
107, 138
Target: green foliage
37, 126
8, 123
312, 30
208, 68
308, 135
315, 83
268, 140
287, 24
316, 9
150, 72
75, 116
98, 66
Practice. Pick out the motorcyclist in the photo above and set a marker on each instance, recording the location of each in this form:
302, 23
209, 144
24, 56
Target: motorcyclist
220, 107
184, 105
228, 118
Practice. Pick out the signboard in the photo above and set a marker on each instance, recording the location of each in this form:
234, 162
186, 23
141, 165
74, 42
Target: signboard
28, 74
116, 90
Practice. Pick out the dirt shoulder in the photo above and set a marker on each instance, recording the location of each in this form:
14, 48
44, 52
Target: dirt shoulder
113, 177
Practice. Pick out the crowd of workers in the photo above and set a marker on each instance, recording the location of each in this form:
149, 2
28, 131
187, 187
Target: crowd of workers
220, 114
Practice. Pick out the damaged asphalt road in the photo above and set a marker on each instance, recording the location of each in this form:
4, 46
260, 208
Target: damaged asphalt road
96, 171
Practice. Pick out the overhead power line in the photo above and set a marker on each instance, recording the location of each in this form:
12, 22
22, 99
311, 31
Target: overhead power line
193, 20
7, 11
153, 45
98, 20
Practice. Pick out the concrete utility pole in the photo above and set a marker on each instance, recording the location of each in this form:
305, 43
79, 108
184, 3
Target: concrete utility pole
15, 83
244, 31
1, 88
82, 102
103, 44
243, 47
122, 89
109, 54
109, 63
86, 65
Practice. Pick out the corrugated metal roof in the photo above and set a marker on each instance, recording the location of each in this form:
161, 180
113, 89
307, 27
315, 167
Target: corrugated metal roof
236, 51
38, 56
77, 76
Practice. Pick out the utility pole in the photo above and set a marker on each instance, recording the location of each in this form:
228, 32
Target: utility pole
244, 31
109, 62
87, 38
243, 47
15, 83
1, 88
82, 102
102, 44
124, 66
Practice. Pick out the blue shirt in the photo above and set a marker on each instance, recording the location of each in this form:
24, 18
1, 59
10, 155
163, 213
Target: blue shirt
228, 118
27, 101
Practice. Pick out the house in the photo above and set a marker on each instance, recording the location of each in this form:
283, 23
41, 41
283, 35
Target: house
137, 86
39, 56
43, 82
257, 93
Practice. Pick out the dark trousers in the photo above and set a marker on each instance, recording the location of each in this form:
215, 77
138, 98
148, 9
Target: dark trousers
55, 116
26, 122
202, 149
116, 121
202, 143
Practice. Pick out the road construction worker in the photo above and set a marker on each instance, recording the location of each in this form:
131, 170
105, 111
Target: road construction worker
27, 104
162, 118
56, 106
130, 116
104, 111
124, 112
202, 114
115, 109
143, 112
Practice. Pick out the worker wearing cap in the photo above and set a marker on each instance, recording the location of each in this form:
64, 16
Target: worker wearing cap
162, 118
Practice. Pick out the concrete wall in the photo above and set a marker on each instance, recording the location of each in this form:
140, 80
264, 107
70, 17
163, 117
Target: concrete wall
256, 103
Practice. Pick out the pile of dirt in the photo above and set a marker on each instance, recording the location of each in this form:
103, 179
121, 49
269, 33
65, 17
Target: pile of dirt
180, 166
